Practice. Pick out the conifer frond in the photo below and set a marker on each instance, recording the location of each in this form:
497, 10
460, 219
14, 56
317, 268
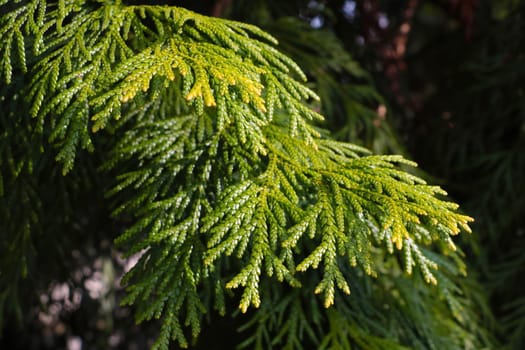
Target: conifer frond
173, 288
99, 60
31, 18
224, 180
297, 207
284, 322
347, 205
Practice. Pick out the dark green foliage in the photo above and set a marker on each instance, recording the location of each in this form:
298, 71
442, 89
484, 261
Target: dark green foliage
222, 180
346, 90
481, 149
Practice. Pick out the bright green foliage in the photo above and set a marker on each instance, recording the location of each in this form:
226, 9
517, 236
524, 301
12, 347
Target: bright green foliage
226, 181
102, 58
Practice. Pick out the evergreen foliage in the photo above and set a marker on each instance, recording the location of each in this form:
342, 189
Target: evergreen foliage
345, 88
223, 179
493, 79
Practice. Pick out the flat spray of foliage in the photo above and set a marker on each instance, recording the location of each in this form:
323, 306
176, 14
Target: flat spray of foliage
223, 181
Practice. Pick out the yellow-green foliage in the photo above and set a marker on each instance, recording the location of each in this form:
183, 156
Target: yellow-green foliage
228, 183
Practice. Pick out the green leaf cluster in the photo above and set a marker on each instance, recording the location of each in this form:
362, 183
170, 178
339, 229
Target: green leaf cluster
222, 181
